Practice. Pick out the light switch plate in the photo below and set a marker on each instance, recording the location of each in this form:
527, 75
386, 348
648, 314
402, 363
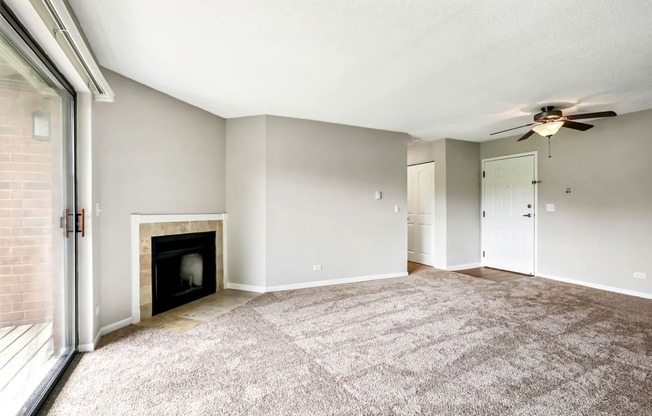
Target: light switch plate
550, 207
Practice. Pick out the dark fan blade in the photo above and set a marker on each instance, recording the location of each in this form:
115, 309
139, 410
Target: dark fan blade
513, 128
526, 135
591, 115
577, 126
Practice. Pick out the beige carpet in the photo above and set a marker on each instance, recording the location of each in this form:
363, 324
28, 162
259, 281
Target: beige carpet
432, 343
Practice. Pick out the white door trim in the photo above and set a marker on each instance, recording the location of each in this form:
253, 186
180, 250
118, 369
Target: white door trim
536, 204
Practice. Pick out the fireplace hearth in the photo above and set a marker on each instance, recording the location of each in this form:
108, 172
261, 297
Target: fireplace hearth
183, 269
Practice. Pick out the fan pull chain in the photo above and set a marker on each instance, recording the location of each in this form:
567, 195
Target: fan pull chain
549, 155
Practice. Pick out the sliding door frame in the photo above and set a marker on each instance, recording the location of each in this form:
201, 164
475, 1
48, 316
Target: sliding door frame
39, 397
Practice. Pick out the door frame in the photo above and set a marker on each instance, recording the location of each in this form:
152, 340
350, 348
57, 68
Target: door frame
536, 203
40, 396
434, 207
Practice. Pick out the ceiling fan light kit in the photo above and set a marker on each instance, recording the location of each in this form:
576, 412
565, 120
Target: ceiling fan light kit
548, 129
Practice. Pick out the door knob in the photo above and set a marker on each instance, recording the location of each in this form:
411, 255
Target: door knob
527, 215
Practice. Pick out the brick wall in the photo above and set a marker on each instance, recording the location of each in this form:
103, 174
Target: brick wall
29, 274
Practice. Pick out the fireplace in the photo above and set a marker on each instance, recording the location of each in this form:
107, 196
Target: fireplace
145, 227
183, 269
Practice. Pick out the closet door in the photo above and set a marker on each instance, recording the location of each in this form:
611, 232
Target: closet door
421, 213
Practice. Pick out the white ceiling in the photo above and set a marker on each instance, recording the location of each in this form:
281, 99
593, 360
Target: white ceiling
431, 68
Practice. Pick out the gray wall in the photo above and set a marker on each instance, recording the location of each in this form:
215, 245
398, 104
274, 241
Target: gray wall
155, 155
457, 199
245, 200
602, 232
463, 202
321, 180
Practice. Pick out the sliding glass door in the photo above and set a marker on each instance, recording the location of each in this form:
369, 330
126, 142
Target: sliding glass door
37, 238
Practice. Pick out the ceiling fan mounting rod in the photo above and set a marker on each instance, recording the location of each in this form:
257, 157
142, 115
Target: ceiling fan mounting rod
547, 114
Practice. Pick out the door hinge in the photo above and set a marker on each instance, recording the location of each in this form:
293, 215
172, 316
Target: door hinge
482, 214
483, 254
483, 173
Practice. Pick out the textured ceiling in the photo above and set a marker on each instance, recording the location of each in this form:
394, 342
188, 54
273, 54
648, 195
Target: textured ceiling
433, 69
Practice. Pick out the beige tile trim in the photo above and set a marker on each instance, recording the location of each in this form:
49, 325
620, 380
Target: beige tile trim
144, 227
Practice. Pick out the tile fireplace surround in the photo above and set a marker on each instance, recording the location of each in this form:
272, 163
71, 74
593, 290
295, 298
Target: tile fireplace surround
143, 228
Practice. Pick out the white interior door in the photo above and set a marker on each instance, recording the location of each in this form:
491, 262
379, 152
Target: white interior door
508, 214
421, 213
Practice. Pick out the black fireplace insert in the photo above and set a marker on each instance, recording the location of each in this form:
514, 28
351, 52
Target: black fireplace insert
183, 269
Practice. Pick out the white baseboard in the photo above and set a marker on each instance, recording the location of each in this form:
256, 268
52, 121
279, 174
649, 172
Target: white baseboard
457, 267
135, 315
596, 286
342, 281
88, 347
463, 267
246, 288
115, 326
91, 346
103, 331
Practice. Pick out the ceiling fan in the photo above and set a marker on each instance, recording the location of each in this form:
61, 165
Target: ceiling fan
548, 122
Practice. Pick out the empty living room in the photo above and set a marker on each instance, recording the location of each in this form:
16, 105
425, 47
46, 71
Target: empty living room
325, 207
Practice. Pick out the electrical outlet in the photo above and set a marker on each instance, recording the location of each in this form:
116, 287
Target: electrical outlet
550, 207
639, 275
316, 267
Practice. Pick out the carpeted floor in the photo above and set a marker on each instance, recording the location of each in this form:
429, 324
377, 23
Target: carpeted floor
431, 343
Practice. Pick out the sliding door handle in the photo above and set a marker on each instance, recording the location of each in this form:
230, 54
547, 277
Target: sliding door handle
82, 221
66, 222
80, 224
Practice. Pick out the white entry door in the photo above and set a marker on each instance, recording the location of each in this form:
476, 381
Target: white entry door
421, 213
508, 214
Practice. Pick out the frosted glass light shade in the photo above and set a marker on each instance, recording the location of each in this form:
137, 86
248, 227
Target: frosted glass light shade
548, 129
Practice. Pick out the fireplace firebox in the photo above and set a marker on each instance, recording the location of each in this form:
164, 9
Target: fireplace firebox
183, 269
